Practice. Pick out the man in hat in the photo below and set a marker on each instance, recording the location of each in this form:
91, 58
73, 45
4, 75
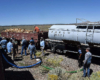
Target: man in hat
42, 45
32, 49
87, 62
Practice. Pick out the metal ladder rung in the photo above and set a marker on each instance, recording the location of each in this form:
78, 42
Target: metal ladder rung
89, 34
89, 39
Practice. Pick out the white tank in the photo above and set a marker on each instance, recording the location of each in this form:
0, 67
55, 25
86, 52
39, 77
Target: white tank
81, 33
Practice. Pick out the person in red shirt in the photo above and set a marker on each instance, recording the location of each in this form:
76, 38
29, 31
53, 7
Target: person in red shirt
36, 29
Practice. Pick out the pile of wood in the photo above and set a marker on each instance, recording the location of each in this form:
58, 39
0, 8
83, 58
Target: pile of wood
18, 30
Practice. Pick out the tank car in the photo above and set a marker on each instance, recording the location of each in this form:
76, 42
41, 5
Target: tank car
70, 36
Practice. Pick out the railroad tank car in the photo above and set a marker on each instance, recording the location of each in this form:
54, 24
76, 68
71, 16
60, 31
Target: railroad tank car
68, 37
83, 34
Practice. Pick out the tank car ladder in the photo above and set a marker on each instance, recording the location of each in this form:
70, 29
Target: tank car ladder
89, 34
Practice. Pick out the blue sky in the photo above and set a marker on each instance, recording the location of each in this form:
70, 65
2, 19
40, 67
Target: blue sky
19, 12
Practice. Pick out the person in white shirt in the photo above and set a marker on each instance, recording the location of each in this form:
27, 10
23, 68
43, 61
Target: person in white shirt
42, 45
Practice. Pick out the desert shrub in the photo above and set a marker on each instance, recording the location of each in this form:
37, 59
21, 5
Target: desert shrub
95, 76
78, 76
53, 62
38, 53
43, 70
56, 74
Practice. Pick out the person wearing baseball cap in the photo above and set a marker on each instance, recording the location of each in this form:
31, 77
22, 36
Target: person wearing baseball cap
32, 49
87, 62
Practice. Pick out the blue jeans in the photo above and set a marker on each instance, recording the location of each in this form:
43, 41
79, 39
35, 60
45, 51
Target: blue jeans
86, 66
31, 55
23, 47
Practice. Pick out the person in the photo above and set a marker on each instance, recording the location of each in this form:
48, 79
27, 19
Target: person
42, 45
9, 46
15, 47
79, 56
87, 62
32, 40
36, 29
3, 44
24, 45
32, 49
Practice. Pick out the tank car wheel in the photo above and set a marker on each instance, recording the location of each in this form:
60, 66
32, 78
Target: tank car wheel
53, 49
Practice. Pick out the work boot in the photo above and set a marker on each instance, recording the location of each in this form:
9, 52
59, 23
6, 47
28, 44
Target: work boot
88, 76
83, 76
31, 58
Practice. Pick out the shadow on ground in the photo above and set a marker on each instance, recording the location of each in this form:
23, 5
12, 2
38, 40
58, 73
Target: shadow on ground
18, 75
18, 58
46, 54
75, 56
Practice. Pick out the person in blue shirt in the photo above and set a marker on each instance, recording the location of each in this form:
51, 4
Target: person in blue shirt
24, 45
9, 46
79, 56
42, 45
87, 62
3, 44
32, 49
32, 40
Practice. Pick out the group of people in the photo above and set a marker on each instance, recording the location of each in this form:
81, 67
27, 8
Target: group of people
11, 47
87, 61
31, 47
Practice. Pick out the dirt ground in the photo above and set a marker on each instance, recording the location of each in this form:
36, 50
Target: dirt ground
34, 73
